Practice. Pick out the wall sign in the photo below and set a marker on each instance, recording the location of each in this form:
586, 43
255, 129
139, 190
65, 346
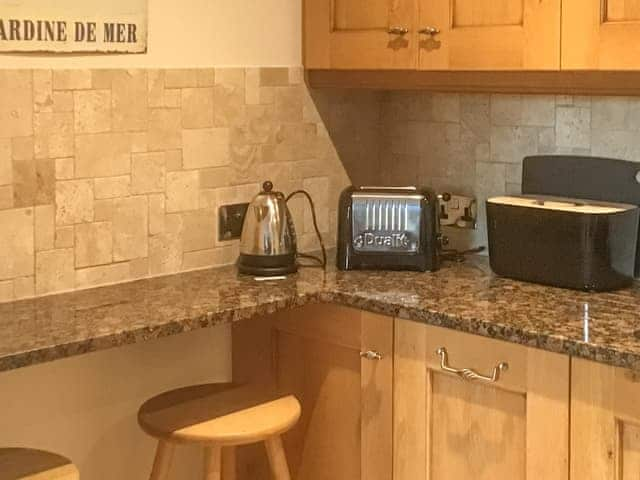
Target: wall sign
73, 26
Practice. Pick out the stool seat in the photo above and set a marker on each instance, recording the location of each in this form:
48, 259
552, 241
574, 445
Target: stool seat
28, 464
223, 414
220, 417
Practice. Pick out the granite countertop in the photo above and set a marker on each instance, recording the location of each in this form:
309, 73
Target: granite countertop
604, 327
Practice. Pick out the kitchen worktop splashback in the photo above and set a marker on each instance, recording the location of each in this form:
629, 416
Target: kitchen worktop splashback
114, 175
473, 144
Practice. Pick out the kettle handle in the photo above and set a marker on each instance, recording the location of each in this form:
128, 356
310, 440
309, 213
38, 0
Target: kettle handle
322, 262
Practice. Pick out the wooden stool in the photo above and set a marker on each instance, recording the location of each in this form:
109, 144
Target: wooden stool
27, 464
219, 417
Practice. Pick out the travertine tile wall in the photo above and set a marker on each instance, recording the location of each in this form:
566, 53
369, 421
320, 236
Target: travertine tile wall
113, 175
474, 144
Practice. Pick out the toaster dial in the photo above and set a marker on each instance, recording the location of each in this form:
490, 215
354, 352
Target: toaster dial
386, 223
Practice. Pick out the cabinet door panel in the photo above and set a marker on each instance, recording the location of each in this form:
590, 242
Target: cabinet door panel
605, 422
490, 35
447, 428
354, 34
600, 35
477, 431
622, 10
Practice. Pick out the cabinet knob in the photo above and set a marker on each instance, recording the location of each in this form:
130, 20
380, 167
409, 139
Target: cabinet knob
398, 30
371, 355
468, 373
431, 31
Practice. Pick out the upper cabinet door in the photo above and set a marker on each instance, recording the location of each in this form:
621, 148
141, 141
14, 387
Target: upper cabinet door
360, 34
600, 34
490, 34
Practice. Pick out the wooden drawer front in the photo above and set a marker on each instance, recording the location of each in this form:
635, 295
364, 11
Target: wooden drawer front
447, 427
605, 422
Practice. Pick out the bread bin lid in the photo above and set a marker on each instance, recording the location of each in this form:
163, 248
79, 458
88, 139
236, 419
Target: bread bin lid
562, 204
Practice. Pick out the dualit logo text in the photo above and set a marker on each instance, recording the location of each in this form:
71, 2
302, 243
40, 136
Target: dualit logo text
389, 240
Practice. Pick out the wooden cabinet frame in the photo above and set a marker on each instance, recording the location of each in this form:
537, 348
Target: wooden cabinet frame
605, 422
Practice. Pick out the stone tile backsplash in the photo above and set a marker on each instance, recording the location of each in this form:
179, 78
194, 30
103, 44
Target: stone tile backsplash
474, 144
113, 175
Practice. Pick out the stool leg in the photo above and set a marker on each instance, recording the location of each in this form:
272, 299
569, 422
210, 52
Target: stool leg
162, 462
277, 458
229, 463
213, 463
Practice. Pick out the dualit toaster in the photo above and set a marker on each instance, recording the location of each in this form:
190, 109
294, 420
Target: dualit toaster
388, 228
563, 242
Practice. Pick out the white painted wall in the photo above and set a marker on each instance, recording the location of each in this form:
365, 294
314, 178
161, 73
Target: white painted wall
85, 407
199, 33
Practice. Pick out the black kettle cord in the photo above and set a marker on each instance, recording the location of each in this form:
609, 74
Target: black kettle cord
321, 262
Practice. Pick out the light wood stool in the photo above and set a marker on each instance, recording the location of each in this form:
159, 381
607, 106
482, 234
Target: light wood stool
28, 464
219, 417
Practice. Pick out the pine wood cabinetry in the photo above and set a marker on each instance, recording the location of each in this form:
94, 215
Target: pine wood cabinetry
432, 34
605, 422
558, 36
447, 428
380, 402
359, 34
489, 35
345, 432
600, 34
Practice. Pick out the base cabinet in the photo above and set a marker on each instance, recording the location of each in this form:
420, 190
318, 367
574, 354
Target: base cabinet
382, 401
314, 352
447, 427
605, 422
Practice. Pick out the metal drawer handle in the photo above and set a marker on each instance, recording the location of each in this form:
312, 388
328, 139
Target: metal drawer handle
371, 355
467, 373
429, 31
398, 30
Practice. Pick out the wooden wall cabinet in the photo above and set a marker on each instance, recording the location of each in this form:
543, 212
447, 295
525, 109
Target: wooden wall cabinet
345, 432
600, 34
447, 428
555, 37
432, 34
605, 422
354, 34
489, 35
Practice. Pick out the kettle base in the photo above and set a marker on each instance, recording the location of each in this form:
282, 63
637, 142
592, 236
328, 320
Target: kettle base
267, 265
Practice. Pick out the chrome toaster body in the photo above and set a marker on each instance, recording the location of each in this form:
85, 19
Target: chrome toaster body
388, 229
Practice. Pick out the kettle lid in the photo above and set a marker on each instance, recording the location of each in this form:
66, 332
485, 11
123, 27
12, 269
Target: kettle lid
267, 186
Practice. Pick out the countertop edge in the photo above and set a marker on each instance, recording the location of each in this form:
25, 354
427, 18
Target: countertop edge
194, 320
529, 338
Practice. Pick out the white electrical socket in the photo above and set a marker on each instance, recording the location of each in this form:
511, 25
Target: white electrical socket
454, 209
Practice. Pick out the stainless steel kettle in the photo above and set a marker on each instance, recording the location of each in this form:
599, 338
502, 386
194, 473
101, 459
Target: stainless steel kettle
268, 240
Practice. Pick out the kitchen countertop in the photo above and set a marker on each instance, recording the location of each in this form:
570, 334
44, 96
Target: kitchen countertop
604, 327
